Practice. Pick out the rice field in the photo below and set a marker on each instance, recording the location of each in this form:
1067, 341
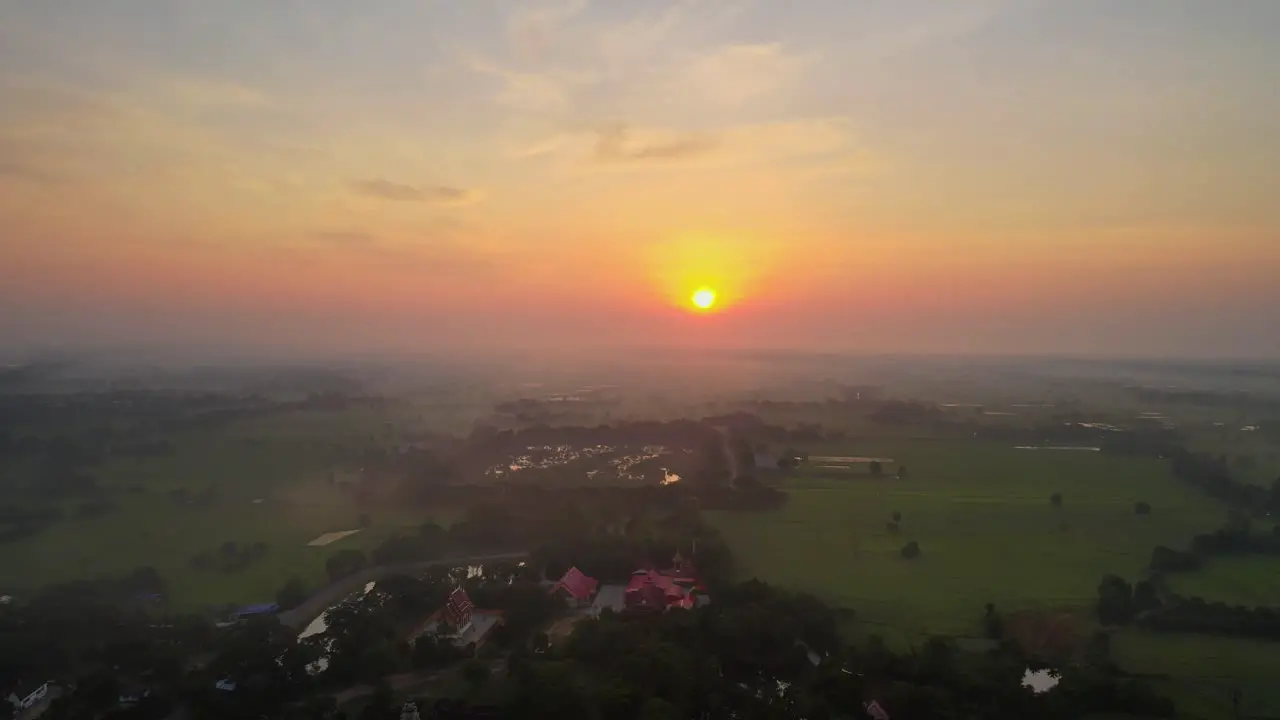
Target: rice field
984, 523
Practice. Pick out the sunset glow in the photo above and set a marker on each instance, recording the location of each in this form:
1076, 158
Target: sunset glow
464, 174
704, 298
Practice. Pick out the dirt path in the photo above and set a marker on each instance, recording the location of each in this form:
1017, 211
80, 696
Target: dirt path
331, 594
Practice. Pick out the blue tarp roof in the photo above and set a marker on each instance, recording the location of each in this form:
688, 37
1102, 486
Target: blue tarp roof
259, 609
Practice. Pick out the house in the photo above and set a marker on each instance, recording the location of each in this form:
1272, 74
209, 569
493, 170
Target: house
576, 586
27, 696
461, 621
225, 685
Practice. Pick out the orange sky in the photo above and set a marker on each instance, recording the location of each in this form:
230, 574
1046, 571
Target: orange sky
990, 176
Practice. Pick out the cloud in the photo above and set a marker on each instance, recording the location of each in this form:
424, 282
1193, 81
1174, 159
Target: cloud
346, 238
734, 74
622, 147
214, 94
529, 91
531, 29
615, 145
437, 195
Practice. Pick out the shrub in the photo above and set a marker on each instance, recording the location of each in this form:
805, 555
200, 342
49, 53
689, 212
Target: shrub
1056, 499
911, 550
1142, 508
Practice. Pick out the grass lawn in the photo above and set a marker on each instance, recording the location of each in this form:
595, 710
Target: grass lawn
987, 532
1249, 580
1200, 672
150, 529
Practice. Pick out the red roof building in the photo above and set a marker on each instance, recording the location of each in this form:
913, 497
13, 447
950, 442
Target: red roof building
649, 590
457, 610
577, 586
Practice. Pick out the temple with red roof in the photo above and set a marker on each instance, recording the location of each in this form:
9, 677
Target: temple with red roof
662, 590
458, 611
461, 621
577, 586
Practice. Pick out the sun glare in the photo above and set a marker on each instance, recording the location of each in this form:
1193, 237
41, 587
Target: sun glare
704, 298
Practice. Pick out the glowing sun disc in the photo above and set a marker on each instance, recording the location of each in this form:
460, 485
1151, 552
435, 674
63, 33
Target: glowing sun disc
704, 298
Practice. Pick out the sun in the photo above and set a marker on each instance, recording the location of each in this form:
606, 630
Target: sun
704, 298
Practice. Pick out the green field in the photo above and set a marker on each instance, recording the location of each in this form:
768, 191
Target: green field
982, 516
270, 478
1250, 580
1200, 672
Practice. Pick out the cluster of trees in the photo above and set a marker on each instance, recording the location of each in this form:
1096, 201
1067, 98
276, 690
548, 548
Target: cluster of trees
1176, 613
1150, 604
761, 652
1212, 474
1235, 537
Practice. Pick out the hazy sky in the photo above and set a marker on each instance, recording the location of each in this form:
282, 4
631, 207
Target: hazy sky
1071, 175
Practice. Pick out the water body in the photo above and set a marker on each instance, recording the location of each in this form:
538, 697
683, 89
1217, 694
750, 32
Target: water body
1040, 681
321, 623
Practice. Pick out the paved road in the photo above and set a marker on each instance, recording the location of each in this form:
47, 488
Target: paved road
299, 617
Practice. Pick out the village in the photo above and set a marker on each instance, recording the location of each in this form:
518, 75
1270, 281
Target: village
650, 590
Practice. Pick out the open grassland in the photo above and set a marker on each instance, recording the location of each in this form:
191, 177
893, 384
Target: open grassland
982, 516
149, 529
1248, 580
1200, 672
260, 480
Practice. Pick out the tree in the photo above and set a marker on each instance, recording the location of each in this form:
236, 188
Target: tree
293, 594
1145, 596
911, 550
875, 468
366, 522
897, 516
476, 673
1115, 600
1142, 508
541, 642
902, 472
992, 623
1056, 500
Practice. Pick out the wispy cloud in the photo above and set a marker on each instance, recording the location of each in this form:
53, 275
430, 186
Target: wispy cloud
532, 27
615, 145
345, 238
435, 195
621, 147
734, 74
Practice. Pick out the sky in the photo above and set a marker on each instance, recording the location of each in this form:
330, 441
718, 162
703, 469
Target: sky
1030, 176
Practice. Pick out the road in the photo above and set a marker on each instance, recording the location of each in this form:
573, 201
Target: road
299, 617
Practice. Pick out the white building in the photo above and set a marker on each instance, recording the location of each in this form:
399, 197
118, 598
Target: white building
26, 697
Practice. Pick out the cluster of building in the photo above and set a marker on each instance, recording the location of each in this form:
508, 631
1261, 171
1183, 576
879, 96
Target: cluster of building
649, 589
676, 587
